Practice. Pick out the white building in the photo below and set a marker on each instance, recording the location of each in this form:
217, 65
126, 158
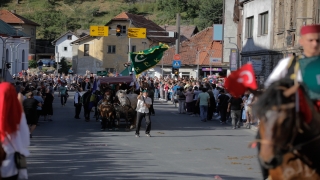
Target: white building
257, 36
63, 47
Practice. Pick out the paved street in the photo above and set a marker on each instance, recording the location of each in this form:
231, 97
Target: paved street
181, 147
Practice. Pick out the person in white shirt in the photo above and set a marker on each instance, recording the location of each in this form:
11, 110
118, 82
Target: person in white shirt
77, 103
143, 105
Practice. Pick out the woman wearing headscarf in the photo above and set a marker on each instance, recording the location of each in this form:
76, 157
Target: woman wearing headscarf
47, 105
14, 130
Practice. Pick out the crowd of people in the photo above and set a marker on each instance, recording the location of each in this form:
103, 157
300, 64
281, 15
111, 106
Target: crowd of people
207, 99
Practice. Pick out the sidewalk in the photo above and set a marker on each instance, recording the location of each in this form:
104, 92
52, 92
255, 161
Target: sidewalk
253, 127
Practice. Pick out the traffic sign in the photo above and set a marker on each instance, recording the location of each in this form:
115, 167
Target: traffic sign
176, 63
176, 57
99, 30
137, 33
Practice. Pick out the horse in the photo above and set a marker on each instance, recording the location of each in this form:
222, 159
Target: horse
126, 108
289, 134
106, 111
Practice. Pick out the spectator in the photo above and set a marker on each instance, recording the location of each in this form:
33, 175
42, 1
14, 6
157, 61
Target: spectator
204, 103
196, 108
47, 105
38, 96
63, 94
212, 105
234, 106
189, 100
181, 99
40, 64
223, 105
30, 109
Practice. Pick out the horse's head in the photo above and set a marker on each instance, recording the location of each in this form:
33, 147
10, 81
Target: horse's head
107, 95
278, 125
122, 97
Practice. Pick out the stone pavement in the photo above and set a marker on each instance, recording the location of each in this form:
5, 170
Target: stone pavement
181, 147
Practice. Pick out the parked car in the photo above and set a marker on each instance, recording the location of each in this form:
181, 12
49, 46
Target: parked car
48, 62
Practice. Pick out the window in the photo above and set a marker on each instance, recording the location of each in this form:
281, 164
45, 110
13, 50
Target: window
124, 29
263, 23
133, 48
111, 49
281, 23
32, 31
69, 37
31, 45
23, 60
86, 50
318, 12
249, 27
293, 14
65, 48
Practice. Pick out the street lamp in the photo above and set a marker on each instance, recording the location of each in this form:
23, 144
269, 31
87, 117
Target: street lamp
4, 41
17, 51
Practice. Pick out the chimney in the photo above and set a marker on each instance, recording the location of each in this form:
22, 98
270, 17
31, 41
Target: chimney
13, 11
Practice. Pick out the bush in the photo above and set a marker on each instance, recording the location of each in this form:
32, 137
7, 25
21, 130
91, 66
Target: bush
33, 64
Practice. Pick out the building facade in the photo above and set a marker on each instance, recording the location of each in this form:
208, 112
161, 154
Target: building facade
257, 37
289, 16
14, 48
21, 24
62, 44
230, 31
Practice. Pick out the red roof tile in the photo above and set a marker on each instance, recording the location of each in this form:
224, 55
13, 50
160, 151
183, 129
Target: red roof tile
141, 22
13, 18
201, 41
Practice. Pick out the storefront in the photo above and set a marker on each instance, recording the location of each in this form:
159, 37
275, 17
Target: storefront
205, 71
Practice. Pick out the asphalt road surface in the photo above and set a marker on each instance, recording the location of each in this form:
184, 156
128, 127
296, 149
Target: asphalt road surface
181, 147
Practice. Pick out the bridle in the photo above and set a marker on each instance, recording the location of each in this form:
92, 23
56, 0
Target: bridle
296, 130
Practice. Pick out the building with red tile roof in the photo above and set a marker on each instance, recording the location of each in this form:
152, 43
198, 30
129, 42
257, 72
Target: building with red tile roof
23, 24
203, 43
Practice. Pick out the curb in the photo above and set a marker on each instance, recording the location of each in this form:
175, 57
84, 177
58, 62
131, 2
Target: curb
252, 127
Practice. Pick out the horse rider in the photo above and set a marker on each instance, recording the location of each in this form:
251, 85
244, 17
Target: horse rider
310, 41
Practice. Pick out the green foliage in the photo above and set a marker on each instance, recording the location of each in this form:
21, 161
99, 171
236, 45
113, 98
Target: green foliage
63, 66
58, 16
32, 64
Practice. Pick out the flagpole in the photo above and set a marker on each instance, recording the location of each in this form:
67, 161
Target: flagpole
129, 42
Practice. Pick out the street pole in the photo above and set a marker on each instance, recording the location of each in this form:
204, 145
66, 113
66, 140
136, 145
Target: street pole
178, 33
129, 42
16, 58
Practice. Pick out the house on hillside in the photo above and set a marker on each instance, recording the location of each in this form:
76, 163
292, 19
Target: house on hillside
186, 32
23, 24
87, 53
63, 46
111, 52
197, 51
16, 47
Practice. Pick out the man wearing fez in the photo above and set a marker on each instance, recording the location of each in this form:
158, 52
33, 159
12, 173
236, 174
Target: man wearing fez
310, 41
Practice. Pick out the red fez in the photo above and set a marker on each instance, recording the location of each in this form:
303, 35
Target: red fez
315, 28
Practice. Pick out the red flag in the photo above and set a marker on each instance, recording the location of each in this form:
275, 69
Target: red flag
242, 79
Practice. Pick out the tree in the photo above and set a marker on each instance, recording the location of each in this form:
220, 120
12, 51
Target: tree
63, 66
32, 64
210, 12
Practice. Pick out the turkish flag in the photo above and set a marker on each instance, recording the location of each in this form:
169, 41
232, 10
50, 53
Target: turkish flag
241, 80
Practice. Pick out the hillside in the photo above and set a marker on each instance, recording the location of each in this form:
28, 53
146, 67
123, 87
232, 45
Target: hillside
58, 16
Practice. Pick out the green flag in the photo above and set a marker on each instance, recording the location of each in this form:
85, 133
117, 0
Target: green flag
311, 75
148, 58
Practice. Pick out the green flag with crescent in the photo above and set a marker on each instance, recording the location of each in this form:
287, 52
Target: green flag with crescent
146, 59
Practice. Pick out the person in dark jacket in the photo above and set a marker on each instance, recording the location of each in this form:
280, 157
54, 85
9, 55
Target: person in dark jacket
223, 101
212, 106
30, 109
86, 101
151, 95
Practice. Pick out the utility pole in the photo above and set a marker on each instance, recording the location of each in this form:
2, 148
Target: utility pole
178, 33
